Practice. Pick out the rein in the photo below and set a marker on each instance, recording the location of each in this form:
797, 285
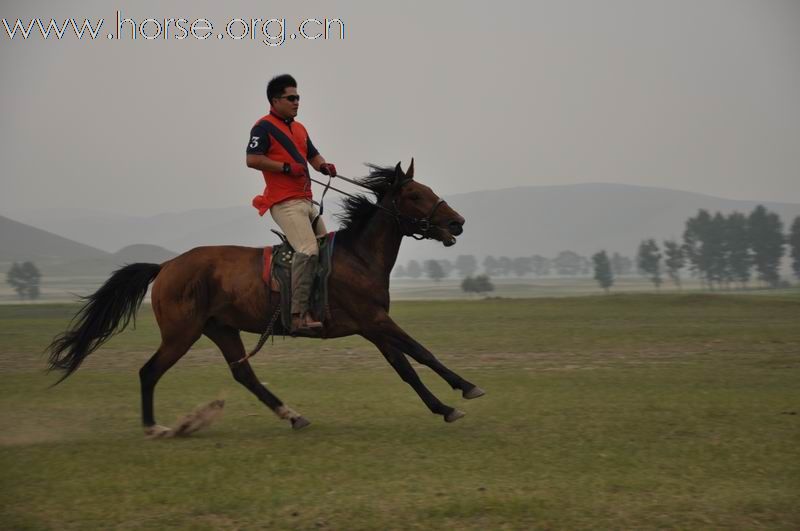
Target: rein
423, 225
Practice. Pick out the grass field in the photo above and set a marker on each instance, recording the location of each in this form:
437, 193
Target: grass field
608, 412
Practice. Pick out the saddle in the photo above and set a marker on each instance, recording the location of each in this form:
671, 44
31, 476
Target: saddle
277, 274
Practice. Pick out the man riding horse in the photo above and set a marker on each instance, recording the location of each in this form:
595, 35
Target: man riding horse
220, 292
280, 147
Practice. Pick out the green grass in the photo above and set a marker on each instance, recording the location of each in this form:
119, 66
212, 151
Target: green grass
627, 411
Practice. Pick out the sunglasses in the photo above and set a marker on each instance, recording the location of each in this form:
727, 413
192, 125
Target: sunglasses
292, 97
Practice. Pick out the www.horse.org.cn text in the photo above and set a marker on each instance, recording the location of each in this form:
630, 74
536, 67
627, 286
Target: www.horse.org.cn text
268, 31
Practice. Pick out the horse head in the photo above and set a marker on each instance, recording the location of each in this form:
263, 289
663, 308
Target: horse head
423, 214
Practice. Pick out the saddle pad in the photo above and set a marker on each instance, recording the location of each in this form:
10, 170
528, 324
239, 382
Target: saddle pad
266, 269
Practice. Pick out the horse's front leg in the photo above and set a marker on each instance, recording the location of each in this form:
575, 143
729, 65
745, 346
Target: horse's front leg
397, 360
410, 346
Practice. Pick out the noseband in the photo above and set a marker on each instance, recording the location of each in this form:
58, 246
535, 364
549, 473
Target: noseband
419, 227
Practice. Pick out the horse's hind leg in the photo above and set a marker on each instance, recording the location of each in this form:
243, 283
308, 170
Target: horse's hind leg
230, 343
170, 351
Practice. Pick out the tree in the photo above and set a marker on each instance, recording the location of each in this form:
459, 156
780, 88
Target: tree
649, 261
490, 266
541, 265
483, 284
15, 279
479, 284
413, 269
737, 248
434, 270
794, 243
32, 274
466, 264
447, 267
718, 270
399, 271
696, 238
567, 263
674, 260
468, 285
766, 240
602, 270
24, 279
522, 265
621, 265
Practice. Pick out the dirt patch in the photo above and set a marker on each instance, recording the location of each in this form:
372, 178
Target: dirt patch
327, 358
26, 432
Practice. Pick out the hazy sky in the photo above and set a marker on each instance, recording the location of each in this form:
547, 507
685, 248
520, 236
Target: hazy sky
700, 95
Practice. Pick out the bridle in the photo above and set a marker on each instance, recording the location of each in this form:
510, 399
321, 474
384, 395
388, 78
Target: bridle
418, 228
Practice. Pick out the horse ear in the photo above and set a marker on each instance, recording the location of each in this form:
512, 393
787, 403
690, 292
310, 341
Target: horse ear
399, 177
410, 172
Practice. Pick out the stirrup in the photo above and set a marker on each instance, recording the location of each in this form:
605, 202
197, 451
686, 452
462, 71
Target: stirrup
304, 322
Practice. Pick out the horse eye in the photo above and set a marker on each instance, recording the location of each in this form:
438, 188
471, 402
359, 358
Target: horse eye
414, 197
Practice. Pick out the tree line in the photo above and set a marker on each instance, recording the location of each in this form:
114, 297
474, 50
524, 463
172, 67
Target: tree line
722, 251
566, 263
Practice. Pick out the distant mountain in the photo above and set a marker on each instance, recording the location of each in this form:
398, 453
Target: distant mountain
180, 231
111, 231
143, 253
511, 222
58, 256
22, 242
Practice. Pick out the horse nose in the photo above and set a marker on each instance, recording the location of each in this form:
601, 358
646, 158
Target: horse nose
456, 227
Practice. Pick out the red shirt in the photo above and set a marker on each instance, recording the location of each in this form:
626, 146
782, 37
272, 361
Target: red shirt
263, 141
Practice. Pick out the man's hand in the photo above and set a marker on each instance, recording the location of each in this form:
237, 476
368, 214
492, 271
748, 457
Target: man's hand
328, 169
296, 169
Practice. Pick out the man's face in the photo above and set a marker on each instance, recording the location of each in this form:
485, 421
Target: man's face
283, 106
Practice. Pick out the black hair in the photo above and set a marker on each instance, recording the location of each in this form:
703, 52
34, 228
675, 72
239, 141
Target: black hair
278, 84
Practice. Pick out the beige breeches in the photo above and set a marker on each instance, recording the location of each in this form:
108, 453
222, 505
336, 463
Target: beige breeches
294, 217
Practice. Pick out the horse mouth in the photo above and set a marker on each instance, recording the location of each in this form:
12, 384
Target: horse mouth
446, 237
447, 233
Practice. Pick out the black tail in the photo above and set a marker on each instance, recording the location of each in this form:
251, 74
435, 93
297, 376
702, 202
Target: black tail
105, 313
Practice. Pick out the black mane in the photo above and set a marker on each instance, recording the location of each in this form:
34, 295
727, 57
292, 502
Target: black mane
357, 210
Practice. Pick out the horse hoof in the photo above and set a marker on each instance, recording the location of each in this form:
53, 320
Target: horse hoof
475, 392
454, 415
298, 423
157, 432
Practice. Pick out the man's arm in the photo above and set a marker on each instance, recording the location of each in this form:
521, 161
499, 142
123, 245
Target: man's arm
316, 161
263, 163
257, 149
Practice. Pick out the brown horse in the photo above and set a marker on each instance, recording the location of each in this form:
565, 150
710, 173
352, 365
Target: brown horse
218, 291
